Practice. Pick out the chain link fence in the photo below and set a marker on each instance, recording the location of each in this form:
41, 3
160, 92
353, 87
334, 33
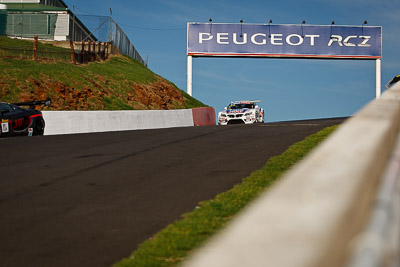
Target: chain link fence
24, 49
105, 29
98, 26
101, 31
69, 51
121, 41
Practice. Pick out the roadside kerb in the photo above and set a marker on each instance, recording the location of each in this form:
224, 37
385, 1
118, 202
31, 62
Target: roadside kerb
316, 213
203, 116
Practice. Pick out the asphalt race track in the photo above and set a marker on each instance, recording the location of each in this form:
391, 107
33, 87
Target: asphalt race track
90, 199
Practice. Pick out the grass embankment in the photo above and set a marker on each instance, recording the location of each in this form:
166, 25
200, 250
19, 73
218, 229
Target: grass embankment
23, 49
174, 243
118, 83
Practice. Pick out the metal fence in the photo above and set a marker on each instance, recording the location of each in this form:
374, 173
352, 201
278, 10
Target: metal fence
75, 27
97, 26
69, 51
121, 41
106, 29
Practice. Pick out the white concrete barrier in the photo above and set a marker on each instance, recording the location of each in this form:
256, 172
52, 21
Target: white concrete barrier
72, 122
316, 213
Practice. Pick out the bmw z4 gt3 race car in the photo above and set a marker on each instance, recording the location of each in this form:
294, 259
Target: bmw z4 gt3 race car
17, 121
246, 112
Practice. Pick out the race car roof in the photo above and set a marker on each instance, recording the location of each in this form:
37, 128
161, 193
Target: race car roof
245, 102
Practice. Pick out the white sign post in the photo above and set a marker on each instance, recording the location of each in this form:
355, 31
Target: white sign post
378, 78
189, 75
283, 41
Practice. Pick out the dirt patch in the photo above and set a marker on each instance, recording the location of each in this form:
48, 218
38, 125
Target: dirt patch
158, 95
63, 97
90, 94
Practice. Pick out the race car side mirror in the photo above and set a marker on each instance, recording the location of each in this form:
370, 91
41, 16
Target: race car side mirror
225, 108
256, 106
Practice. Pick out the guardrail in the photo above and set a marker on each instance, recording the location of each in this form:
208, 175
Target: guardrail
73, 122
318, 212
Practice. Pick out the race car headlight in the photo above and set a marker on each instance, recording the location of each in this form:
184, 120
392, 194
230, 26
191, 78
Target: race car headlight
223, 115
249, 114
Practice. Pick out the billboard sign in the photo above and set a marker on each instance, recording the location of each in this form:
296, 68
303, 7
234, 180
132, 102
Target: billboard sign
288, 41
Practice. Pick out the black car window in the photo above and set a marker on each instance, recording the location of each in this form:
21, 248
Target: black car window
240, 106
5, 107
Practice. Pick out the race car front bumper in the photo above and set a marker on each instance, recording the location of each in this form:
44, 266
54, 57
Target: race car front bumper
240, 118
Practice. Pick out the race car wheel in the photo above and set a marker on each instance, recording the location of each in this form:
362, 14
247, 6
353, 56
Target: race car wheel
262, 119
38, 129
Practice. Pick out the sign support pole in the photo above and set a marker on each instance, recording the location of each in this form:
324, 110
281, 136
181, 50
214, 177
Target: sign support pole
378, 78
189, 75
284, 43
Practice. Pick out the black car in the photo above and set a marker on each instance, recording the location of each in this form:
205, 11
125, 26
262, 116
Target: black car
393, 81
16, 120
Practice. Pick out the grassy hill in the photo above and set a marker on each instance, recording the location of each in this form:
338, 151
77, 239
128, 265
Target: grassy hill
115, 84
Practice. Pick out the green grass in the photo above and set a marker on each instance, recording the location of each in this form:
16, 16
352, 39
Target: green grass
115, 76
118, 71
114, 103
113, 81
16, 48
191, 102
174, 243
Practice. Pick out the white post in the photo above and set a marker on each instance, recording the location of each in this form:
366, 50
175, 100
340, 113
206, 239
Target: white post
378, 78
189, 75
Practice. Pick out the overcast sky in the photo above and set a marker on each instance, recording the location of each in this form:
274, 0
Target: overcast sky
290, 89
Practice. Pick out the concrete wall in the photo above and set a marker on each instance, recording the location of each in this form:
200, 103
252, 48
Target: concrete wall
72, 122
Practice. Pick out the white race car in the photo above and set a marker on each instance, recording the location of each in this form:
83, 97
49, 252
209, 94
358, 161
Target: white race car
241, 112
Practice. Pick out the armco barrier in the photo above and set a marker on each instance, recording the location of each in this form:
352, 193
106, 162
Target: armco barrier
203, 116
316, 214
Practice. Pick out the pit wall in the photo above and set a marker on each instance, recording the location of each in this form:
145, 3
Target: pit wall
74, 122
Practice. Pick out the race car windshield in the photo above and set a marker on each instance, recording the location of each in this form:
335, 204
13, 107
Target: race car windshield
240, 106
5, 107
